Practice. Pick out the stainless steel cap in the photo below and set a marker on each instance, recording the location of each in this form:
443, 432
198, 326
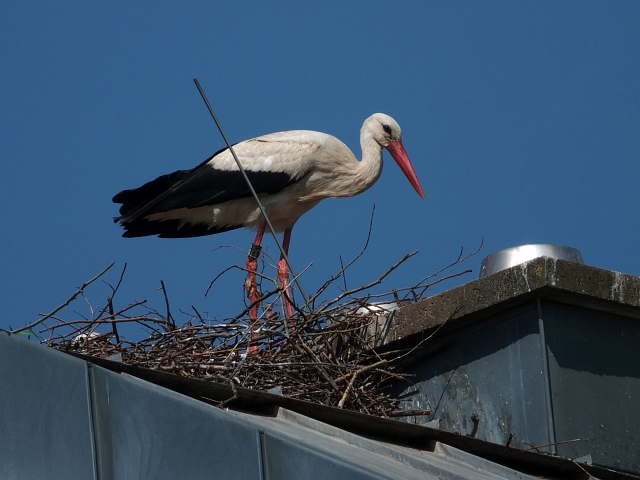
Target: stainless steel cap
509, 257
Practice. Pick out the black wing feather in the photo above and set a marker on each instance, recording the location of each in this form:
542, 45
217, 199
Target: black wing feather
201, 186
136, 198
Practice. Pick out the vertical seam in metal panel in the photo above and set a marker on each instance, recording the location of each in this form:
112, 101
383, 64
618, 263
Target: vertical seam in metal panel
547, 378
262, 454
92, 419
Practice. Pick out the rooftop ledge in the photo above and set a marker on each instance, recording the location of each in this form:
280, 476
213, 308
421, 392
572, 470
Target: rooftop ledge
546, 278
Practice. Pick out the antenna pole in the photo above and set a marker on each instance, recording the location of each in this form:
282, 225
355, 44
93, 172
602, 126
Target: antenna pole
253, 192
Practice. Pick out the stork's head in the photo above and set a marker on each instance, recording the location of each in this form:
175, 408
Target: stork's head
387, 133
383, 129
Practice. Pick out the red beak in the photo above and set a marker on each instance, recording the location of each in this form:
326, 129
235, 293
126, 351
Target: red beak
397, 151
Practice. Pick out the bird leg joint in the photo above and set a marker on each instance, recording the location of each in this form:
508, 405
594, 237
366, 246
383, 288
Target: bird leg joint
254, 253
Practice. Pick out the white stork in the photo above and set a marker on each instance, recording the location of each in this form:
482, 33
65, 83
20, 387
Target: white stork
290, 171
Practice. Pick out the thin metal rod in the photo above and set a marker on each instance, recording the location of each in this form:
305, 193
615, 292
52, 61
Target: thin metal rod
253, 192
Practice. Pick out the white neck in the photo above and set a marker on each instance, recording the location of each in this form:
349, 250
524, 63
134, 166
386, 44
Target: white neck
370, 167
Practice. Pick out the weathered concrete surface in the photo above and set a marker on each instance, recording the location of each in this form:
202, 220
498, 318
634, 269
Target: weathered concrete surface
546, 278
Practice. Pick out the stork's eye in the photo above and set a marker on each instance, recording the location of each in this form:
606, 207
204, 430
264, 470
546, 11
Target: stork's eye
387, 129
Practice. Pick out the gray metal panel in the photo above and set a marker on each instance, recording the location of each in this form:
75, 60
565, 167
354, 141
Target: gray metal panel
45, 426
146, 431
495, 374
287, 459
438, 462
595, 382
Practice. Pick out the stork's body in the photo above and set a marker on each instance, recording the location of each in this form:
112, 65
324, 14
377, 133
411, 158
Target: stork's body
290, 171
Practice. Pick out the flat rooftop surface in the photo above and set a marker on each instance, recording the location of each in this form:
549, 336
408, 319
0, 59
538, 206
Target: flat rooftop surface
548, 278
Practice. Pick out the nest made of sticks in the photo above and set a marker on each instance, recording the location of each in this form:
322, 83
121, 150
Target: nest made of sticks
325, 353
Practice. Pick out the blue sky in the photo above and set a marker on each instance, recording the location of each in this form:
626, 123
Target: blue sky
521, 118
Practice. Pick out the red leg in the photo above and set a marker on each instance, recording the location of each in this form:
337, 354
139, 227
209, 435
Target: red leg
283, 273
251, 285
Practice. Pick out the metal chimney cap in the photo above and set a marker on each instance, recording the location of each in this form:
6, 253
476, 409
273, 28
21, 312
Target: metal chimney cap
509, 257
